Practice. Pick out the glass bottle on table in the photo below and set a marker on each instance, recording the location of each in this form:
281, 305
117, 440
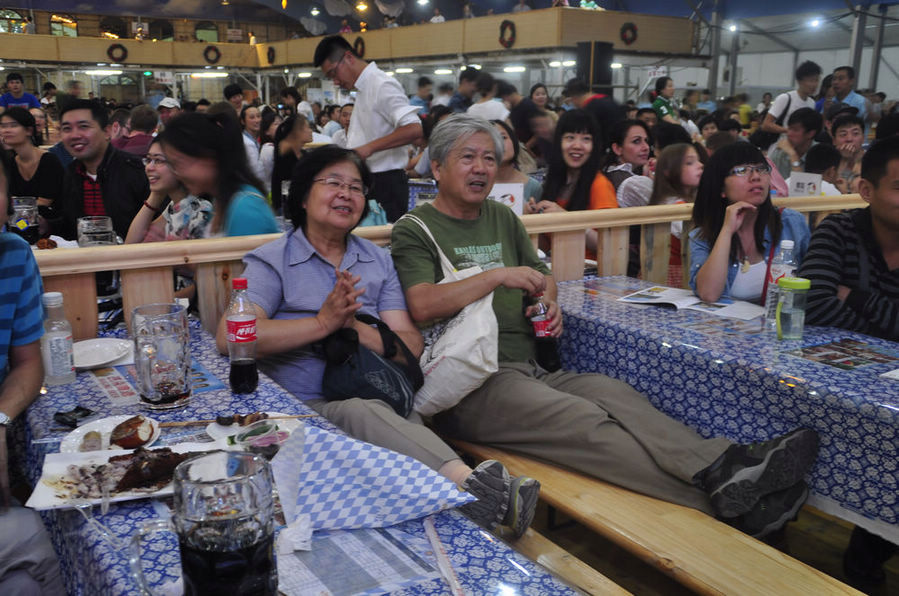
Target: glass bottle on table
241, 328
56, 343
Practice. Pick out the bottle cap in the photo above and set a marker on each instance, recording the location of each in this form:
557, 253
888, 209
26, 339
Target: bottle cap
239, 283
787, 244
794, 283
52, 299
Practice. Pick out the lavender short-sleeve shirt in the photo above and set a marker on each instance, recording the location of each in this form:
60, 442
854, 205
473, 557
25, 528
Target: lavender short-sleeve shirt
288, 279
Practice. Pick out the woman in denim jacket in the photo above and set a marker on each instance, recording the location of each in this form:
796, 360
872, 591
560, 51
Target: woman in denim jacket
735, 224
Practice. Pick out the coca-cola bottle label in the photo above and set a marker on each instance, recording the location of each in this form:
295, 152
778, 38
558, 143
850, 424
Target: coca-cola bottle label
541, 326
241, 330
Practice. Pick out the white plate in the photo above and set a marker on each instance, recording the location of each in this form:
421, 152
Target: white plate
217, 431
72, 441
47, 493
92, 353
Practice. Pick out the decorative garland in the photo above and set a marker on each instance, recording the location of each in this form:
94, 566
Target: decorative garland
507, 42
628, 33
270, 54
117, 52
359, 47
212, 54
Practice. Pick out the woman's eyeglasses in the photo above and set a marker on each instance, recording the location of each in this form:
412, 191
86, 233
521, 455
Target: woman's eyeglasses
156, 161
743, 171
336, 184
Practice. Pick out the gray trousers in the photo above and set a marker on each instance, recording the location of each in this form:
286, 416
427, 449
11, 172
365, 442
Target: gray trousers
591, 423
28, 564
375, 422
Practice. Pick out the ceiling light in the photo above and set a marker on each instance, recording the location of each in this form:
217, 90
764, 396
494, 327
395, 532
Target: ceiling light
220, 67
404, 70
569, 62
514, 69
304, 75
555, 64
814, 22
732, 28
209, 75
361, 6
390, 73
615, 65
314, 12
225, 3
101, 64
475, 66
422, 2
102, 72
443, 71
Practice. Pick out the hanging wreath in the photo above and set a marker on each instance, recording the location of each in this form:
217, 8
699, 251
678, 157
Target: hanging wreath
628, 33
270, 54
117, 52
507, 34
212, 54
359, 47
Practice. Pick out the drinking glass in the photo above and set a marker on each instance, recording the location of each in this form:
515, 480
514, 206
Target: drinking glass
223, 517
24, 220
161, 355
95, 230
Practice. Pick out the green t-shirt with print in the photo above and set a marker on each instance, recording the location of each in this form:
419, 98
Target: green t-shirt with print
662, 107
495, 239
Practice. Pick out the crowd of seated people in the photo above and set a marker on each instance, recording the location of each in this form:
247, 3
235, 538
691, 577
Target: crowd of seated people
231, 169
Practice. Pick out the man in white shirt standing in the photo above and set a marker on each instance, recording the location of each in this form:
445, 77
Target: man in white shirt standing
383, 121
437, 18
808, 75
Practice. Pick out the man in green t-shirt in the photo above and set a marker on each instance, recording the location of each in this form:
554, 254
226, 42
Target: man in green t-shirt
592, 423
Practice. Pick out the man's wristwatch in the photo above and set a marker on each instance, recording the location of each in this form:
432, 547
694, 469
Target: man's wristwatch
796, 163
4, 419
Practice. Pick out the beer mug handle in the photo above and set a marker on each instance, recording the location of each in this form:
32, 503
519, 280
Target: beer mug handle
137, 572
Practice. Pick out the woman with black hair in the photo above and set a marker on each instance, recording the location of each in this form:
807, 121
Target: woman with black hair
738, 228
251, 123
205, 152
628, 163
663, 106
540, 96
270, 123
289, 140
34, 172
574, 181
507, 172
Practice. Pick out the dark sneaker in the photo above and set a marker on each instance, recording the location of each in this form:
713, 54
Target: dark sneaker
491, 484
522, 505
772, 512
746, 473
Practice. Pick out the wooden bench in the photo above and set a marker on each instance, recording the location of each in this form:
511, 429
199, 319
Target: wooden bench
705, 555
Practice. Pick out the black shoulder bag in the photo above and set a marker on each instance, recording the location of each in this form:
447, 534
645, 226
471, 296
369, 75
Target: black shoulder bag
353, 370
763, 139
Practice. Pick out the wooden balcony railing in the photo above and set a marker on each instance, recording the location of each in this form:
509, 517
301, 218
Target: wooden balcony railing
147, 269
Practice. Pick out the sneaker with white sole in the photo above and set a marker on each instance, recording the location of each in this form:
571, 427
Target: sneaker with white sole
746, 473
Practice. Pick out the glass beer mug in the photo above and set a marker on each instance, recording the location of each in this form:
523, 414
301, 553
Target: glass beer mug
161, 355
223, 517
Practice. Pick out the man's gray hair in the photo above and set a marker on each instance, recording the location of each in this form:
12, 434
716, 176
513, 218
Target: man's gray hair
458, 128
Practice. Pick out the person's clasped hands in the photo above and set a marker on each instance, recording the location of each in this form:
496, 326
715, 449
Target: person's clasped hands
340, 306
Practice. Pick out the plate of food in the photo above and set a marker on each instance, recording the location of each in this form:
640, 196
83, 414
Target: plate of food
230, 425
112, 432
93, 353
73, 479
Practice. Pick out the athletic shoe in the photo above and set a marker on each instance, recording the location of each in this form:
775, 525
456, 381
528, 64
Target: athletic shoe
491, 484
746, 473
522, 505
772, 512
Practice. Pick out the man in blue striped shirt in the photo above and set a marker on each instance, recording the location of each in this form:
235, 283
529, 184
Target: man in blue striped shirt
27, 561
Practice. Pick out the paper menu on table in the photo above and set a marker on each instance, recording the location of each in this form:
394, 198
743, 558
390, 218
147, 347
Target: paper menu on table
686, 299
510, 195
376, 561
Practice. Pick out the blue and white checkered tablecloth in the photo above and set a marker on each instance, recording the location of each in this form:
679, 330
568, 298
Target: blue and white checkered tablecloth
92, 564
730, 379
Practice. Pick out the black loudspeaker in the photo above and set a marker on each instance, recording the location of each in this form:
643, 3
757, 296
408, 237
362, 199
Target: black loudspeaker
594, 65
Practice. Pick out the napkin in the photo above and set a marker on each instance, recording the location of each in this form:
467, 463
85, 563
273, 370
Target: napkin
342, 483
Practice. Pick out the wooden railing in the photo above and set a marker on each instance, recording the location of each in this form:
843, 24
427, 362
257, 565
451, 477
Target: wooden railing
147, 269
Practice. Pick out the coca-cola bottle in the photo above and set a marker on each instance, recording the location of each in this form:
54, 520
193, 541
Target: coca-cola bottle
241, 326
547, 346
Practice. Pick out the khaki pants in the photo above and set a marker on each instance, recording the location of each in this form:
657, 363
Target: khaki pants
28, 563
375, 422
588, 422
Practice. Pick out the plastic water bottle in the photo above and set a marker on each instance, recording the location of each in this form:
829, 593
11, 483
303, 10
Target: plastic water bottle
782, 265
241, 327
56, 343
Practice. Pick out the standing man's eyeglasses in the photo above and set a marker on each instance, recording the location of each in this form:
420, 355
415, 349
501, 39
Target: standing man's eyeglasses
333, 70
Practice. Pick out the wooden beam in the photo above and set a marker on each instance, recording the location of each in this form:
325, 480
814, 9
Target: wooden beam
79, 294
146, 286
